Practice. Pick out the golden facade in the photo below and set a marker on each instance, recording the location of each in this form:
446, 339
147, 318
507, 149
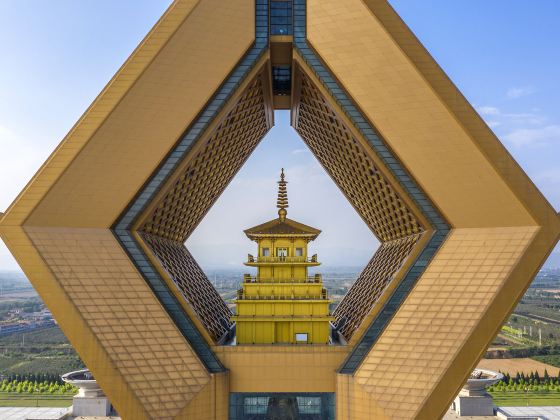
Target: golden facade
100, 228
282, 304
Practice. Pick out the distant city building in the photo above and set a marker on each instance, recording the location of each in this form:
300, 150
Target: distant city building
282, 303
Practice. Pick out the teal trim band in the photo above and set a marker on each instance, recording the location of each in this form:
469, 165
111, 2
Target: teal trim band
438, 223
122, 227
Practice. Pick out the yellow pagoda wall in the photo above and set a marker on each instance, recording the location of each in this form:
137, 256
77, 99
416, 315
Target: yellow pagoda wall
280, 302
314, 290
282, 332
278, 308
284, 271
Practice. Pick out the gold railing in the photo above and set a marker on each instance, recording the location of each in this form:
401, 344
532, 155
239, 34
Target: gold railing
324, 296
252, 259
247, 278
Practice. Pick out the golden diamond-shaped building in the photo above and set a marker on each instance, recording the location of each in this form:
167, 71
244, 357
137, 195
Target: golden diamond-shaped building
100, 229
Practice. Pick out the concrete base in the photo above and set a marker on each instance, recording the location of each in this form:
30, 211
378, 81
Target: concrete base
481, 405
90, 406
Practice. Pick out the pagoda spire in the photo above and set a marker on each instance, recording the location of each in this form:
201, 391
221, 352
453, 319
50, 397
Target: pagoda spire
282, 202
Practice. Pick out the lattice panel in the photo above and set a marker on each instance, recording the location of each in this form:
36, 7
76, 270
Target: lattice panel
371, 194
123, 313
193, 284
213, 167
445, 307
352, 170
195, 190
371, 283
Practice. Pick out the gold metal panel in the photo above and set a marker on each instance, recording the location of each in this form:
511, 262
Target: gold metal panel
211, 169
193, 284
353, 402
127, 320
149, 118
211, 403
355, 173
429, 140
426, 351
372, 283
197, 184
350, 163
282, 368
472, 180
98, 111
463, 111
71, 321
442, 311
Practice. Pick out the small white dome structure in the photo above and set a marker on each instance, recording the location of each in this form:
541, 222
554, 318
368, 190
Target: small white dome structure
473, 400
90, 399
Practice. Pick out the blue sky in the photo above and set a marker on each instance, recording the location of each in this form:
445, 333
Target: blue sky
58, 55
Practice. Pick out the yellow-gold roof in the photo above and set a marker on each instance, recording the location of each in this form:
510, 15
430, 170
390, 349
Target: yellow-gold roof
279, 227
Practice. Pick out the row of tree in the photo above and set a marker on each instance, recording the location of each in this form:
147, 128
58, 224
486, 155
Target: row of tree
530, 382
34, 377
34, 387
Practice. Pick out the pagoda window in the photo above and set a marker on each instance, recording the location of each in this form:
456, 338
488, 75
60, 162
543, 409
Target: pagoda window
266, 252
281, 252
299, 252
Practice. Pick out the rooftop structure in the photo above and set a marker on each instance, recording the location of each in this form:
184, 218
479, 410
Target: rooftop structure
282, 303
100, 229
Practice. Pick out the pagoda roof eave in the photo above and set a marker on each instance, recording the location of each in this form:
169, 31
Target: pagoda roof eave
282, 228
285, 235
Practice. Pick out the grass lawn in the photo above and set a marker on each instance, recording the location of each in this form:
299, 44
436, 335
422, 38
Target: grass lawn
520, 398
34, 400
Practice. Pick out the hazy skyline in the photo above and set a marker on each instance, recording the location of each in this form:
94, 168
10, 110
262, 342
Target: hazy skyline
503, 56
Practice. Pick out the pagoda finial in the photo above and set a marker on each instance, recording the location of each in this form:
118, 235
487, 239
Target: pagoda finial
282, 202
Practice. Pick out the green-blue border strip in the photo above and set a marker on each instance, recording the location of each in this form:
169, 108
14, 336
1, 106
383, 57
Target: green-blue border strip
440, 226
122, 227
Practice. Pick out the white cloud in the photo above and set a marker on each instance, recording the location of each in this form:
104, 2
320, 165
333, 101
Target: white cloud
299, 151
488, 110
550, 175
533, 136
518, 92
531, 118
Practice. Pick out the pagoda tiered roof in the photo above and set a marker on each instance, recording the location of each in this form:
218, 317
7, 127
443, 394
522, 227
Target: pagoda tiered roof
287, 227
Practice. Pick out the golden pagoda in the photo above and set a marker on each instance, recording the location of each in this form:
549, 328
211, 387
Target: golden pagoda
282, 303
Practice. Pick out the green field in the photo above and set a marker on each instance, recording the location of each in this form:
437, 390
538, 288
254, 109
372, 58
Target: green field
26, 364
520, 398
551, 359
22, 400
43, 337
42, 351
